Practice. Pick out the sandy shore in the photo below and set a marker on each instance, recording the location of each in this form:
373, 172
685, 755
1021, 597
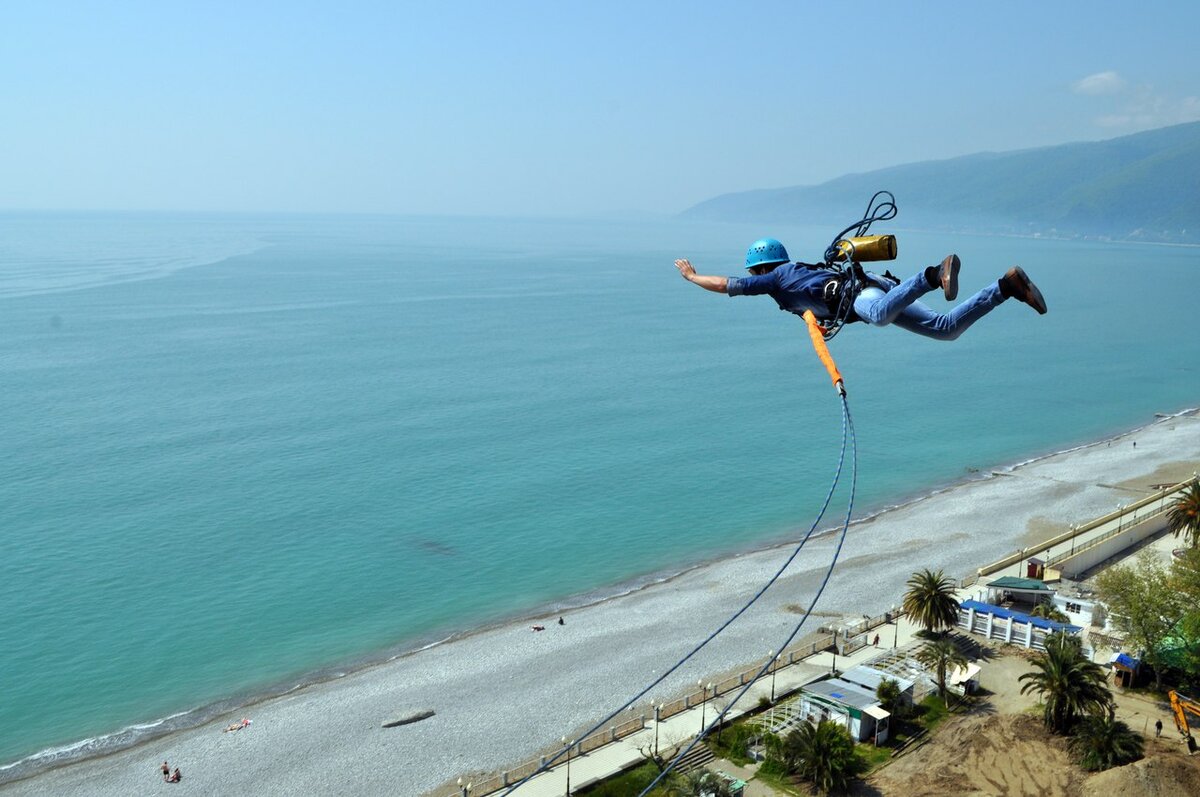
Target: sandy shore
504, 694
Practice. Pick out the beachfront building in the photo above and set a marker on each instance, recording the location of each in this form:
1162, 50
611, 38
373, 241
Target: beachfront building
1080, 611
1011, 591
869, 678
854, 707
1009, 625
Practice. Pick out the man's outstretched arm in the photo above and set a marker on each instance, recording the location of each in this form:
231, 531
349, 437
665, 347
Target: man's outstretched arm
714, 284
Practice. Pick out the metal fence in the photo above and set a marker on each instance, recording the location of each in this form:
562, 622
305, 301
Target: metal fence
1121, 528
581, 747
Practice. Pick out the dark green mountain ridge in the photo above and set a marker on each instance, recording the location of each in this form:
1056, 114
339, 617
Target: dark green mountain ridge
1137, 187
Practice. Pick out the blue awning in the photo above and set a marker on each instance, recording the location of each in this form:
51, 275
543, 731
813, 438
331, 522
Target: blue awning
1037, 622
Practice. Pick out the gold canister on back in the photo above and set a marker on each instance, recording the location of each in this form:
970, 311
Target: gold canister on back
869, 248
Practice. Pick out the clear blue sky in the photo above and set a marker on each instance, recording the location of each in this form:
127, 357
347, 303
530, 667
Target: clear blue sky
552, 107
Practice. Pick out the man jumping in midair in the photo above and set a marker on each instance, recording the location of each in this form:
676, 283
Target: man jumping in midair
878, 300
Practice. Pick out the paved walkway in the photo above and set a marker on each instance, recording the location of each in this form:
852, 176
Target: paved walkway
623, 754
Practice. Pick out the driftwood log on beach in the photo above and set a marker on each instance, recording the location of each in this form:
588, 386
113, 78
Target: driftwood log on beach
406, 719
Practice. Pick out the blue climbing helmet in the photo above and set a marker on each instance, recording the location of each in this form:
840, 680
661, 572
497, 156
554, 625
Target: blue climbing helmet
766, 252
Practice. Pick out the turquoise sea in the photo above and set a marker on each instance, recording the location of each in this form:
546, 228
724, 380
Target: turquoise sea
241, 452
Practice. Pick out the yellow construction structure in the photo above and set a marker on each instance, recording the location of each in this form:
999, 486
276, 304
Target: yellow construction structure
1182, 705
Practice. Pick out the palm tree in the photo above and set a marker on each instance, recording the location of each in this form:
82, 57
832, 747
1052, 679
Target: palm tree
1104, 742
1050, 612
930, 600
941, 656
822, 754
1183, 518
1069, 685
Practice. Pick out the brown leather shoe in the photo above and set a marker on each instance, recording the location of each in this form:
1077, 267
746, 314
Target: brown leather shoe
948, 276
1016, 284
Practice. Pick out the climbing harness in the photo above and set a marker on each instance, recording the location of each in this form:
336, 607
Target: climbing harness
850, 248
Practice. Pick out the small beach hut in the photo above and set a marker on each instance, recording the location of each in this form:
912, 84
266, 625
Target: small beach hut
965, 679
849, 704
1125, 669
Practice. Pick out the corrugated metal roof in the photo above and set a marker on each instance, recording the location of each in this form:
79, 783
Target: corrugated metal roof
1023, 584
869, 678
843, 692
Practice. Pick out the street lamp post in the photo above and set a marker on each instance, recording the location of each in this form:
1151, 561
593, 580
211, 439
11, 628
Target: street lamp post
896, 627
703, 703
657, 720
774, 666
568, 745
464, 790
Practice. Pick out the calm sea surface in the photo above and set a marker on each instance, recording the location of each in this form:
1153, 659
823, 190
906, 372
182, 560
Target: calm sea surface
238, 451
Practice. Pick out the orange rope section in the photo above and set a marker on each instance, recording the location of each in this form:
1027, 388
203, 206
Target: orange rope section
818, 342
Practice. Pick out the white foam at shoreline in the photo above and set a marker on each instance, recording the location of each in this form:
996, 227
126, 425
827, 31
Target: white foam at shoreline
502, 693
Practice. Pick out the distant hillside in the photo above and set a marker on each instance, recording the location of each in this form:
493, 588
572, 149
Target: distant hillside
1138, 187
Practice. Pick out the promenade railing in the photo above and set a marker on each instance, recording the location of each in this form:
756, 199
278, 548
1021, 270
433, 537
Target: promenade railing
1135, 512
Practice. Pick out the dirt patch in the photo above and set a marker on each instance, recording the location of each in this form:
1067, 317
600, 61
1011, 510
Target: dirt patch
1002, 748
1000, 678
1170, 473
1038, 530
796, 608
1156, 776
979, 754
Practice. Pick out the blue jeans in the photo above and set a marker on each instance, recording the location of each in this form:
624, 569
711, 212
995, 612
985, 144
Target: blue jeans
900, 306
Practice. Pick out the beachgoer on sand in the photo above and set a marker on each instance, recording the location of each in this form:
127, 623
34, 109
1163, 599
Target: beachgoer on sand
237, 726
166, 770
877, 299
176, 776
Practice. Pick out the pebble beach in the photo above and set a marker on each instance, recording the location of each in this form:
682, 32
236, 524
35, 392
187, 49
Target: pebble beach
506, 693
